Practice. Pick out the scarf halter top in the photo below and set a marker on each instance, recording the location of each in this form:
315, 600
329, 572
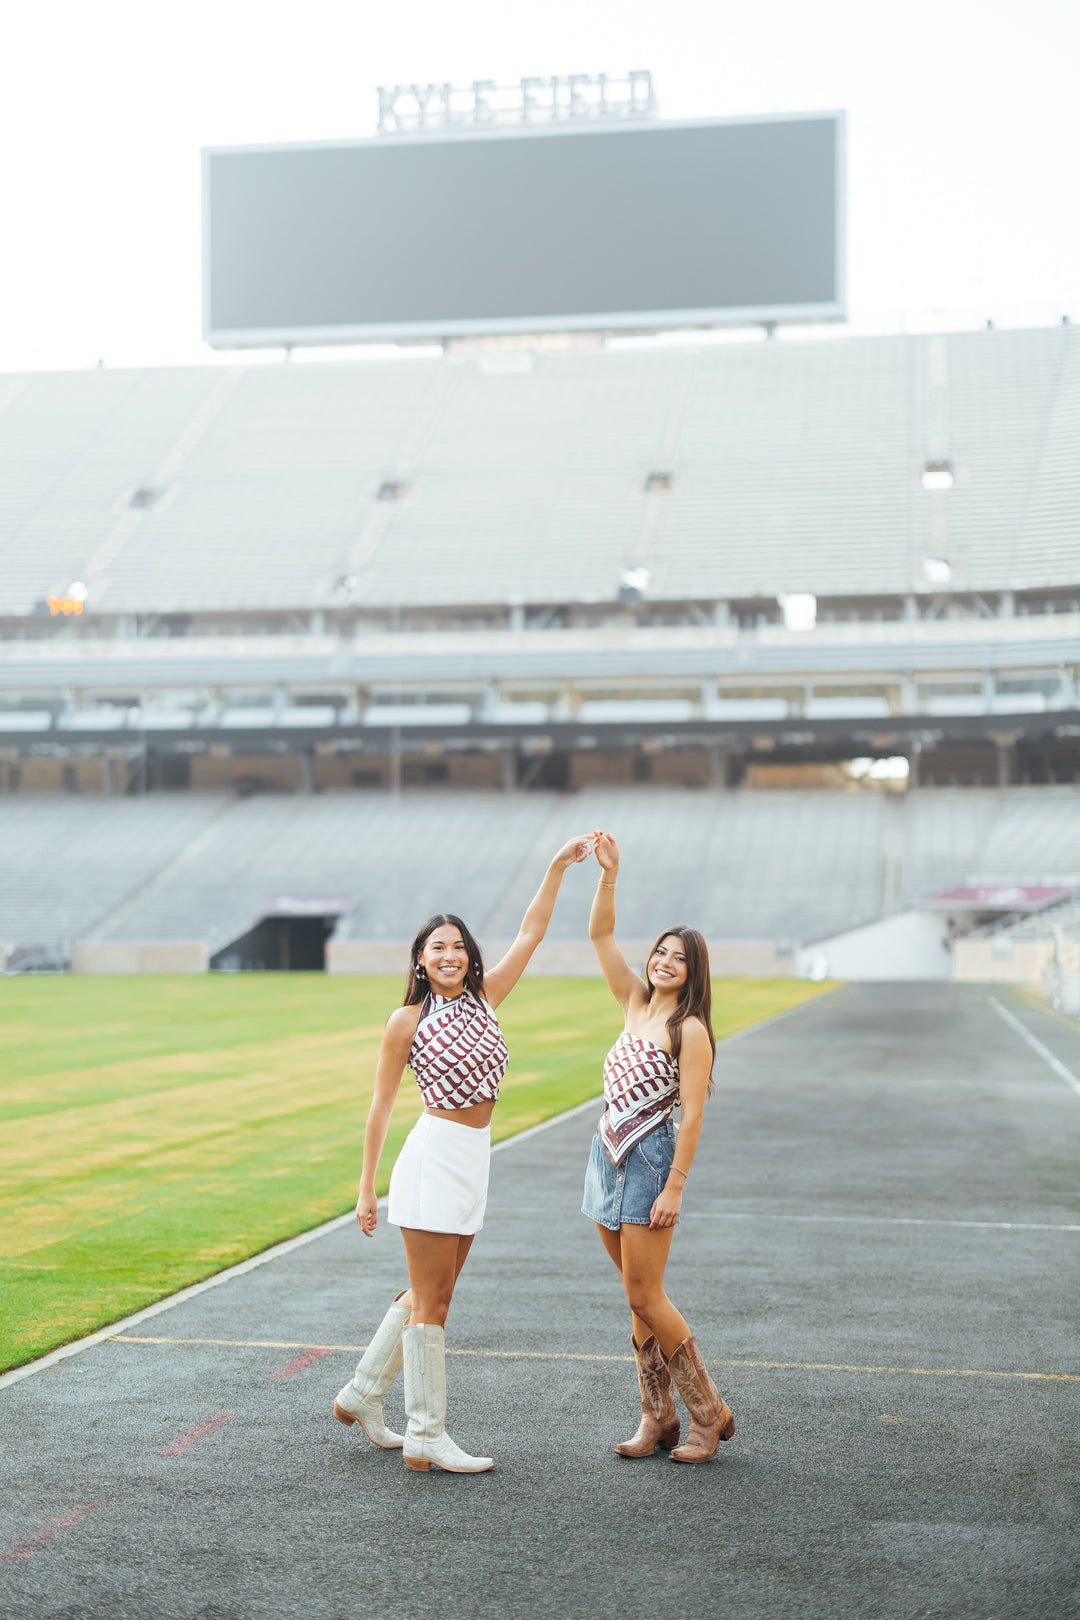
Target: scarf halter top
458, 1054
641, 1089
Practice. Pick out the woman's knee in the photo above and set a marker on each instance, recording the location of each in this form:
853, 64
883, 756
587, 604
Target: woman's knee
643, 1296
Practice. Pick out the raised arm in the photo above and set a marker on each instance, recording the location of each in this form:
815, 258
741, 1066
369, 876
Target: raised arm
501, 979
695, 1066
393, 1055
622, 981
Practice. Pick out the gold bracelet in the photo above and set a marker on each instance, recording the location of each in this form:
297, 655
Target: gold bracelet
605, 885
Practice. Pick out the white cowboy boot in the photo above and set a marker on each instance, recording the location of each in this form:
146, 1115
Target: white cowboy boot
427, 1441
361, 1399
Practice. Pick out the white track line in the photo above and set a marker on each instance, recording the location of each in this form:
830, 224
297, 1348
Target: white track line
1036, 1045
879, 1220
243, 1266
167, 1304
298, 1242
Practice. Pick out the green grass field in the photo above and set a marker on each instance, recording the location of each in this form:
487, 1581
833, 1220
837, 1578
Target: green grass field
156, 1130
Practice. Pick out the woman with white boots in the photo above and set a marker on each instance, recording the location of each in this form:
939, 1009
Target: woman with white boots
638, 1166
448, 1033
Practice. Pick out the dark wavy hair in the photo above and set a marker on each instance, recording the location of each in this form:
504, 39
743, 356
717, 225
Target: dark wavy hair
417, 987
696, 998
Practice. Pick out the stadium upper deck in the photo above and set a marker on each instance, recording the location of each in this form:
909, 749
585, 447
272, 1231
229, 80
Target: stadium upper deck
513, 482
512, 553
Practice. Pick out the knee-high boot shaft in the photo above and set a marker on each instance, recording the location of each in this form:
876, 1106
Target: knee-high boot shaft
659, 1424
710, 1416
427, 1441
361, 1399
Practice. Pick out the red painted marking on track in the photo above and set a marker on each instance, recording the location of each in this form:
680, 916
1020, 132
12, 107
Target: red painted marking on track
298, 1363
191, 1437
42, 1538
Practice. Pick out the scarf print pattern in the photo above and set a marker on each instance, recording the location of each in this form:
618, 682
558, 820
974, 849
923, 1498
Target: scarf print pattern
641, 1088
458, 1055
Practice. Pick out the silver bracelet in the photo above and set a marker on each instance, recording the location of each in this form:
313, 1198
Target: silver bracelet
605, 885
678, 1172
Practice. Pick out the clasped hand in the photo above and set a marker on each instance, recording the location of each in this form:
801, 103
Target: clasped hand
576, 849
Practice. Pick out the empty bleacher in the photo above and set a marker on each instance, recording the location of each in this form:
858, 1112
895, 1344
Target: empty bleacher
66, 863
776, 866
793, 467
982, 837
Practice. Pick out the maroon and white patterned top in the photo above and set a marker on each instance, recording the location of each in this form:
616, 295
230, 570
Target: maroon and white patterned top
641, 1088
458, 1054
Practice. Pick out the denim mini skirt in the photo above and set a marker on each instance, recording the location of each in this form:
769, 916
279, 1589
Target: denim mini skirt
625, 1193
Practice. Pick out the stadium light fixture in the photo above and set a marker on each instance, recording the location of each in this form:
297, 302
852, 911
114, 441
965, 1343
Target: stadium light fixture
799, 610
937, 570
938, 475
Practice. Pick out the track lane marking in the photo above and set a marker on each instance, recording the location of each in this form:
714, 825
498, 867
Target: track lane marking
191, 1437
300, 1363
49, 1532
577, 1355
109, 1330
1036, 1045
879, 1220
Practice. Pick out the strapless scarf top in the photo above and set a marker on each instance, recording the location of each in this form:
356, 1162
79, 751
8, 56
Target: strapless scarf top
641, 1090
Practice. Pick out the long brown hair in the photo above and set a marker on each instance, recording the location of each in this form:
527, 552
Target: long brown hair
416, 986
696, 998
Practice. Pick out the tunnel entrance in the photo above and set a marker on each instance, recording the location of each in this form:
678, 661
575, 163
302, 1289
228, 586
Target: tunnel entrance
290, 937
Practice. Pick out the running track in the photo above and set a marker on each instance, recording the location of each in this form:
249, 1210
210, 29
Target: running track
880, 1256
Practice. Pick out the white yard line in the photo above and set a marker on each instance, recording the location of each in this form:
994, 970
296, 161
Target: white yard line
73, 1349
1036, 1045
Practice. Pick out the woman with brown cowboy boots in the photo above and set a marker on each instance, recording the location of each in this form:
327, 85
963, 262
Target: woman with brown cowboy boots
638, 1166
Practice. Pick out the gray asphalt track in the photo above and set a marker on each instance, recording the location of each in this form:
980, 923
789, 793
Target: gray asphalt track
824, 1259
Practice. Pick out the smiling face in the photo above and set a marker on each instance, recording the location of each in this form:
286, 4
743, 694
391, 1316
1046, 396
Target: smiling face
445, 960
667, 968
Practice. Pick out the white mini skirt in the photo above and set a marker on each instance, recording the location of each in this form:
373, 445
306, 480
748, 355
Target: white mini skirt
440, 1180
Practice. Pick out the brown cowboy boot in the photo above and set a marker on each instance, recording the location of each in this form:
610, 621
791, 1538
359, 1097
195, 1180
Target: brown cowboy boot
659, 1424
710, 1417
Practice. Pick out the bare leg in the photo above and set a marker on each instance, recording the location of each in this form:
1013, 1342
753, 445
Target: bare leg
644, 1253
435, 1260
612, 1243
464, 1245
641, 1267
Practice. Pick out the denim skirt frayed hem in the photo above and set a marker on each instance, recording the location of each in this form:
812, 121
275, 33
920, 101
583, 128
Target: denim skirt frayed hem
624, 1194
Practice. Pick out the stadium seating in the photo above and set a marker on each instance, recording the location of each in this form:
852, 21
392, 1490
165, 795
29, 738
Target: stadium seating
792, 467
792, 866
67, 863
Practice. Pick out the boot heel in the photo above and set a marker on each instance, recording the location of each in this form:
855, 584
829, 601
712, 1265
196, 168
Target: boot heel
669, 1441
728, 1430
343, 1416
419, 1464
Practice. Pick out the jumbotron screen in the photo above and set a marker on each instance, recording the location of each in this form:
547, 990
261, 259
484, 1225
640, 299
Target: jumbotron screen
586, 227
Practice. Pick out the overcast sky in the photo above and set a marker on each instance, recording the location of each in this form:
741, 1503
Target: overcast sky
964, 136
